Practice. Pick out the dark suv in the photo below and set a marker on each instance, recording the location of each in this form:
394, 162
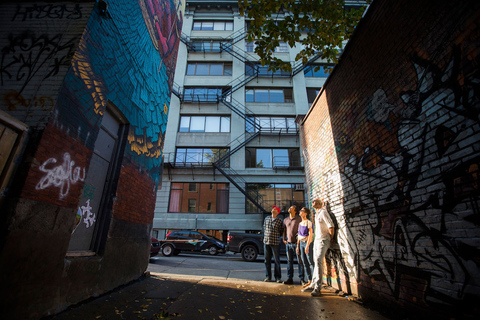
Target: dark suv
185, 240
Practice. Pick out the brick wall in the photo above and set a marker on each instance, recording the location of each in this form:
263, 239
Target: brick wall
135, 196
58, 170
393, 144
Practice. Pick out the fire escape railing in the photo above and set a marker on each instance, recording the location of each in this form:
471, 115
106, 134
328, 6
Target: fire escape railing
238, 35
223, 163
299, 66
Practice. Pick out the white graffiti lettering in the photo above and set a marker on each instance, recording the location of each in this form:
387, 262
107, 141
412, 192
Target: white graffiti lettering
84, 211
61, 176
89, 219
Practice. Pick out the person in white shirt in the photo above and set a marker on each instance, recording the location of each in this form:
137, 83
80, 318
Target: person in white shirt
324, 231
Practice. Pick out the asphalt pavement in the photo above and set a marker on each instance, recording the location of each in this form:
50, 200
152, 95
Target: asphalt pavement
199, 287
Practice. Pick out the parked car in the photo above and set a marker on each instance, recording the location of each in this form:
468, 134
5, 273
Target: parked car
250, 245
194, 241
154, 247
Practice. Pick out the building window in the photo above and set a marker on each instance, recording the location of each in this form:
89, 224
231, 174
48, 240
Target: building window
213, 25
210, 46
205, 94
322, 72
260, 95
103, 173
271, 124
206, 200
312, 93
209, 69
281, 195
282, 47
204, 124
262, 71
192, 205
192, 187
188, 157
272, 158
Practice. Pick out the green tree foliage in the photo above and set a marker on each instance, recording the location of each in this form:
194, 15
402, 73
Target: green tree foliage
320, 26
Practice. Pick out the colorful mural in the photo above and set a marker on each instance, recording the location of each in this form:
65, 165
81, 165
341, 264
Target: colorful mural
101, 72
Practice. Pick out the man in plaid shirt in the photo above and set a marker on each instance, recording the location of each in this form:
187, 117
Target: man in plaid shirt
272, 230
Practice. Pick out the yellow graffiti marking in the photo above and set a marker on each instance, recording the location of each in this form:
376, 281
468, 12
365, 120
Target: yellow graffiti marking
143, 145
82, 69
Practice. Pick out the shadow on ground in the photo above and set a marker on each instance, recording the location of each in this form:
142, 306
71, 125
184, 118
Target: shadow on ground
155, 296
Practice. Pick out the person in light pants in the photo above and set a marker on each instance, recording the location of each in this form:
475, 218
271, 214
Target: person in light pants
324, 231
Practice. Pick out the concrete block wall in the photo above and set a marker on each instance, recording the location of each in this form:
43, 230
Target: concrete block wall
393, 144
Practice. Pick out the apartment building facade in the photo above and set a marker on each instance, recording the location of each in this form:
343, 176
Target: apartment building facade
232, 148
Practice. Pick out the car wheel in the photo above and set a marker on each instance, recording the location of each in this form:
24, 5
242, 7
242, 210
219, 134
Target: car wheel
167, 250
212, 250
249, 253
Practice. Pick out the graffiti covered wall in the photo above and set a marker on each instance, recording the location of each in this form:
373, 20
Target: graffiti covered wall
71, 72
393, 144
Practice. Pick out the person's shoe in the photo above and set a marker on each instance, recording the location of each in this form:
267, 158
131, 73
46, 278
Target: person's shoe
288, 281
279, 280
303, 282
268, 280
315, 293
307, 289
307, 284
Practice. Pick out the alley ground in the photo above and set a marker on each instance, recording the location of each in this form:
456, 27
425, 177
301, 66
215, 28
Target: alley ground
221, 287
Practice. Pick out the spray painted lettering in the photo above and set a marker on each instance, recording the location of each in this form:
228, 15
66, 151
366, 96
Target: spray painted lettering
60, 176
49, 11
15, 101
26, 54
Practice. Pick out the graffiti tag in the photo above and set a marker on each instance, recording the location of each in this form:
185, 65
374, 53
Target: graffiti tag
84, 211
26, 54
49, 11
60, 176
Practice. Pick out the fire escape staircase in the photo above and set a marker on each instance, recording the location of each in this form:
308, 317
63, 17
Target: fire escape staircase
223, 164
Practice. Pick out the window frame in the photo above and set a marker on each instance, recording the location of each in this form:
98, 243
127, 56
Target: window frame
221, 126
272, 129
209, 45
309, 72
287, 93
312, 94
194, 65
190, 206
251, 154
216, 25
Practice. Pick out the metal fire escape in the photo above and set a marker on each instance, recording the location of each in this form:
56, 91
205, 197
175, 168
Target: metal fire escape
223, 163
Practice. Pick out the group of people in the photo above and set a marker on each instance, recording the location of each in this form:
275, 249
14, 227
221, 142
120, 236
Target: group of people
302, 240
